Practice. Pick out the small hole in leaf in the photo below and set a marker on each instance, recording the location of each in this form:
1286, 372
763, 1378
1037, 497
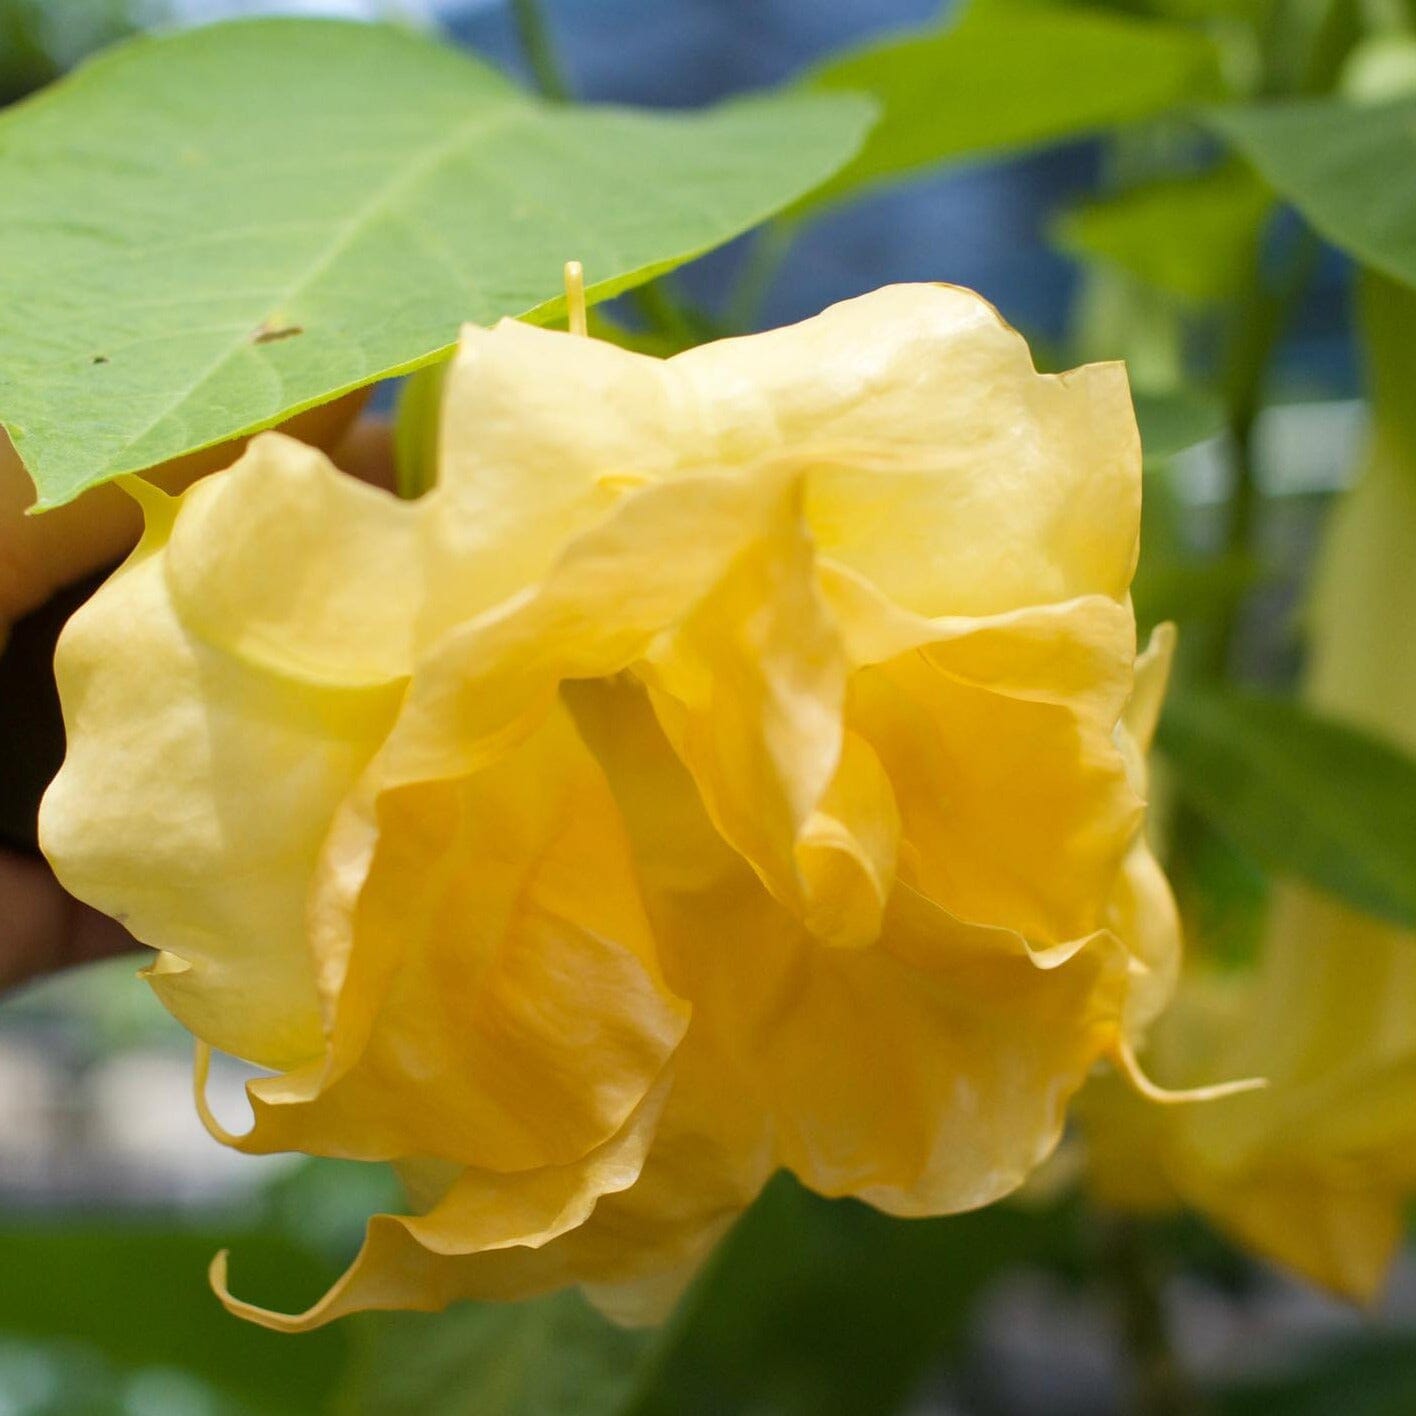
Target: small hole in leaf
268, 333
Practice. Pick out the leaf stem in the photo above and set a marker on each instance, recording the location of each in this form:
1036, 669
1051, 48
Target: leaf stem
534, 35
1161, 1387
1261, 323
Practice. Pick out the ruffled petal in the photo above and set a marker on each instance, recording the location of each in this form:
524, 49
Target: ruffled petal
946, 469
193, 801
487, 1237
997, 734
631, 1222
541, 434
637, 572
928, 1073
493, 983
288, 563
1142, 911
950, 473
750, 689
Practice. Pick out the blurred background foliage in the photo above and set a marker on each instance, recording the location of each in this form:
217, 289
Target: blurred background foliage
1200, 187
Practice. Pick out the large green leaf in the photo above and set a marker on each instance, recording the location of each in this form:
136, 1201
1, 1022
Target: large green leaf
209, 231
539, 1358
137, 1294
810, 1307
1349, 168
1011, 75
1305, 795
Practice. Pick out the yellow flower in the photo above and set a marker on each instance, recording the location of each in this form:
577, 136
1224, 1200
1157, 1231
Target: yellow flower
720, 769
1315, 1171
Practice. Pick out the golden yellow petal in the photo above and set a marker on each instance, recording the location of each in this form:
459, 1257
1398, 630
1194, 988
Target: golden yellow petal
500, 1003
541, 433
750, 689
486, 1237
926, 1074
998, 735
1142, 910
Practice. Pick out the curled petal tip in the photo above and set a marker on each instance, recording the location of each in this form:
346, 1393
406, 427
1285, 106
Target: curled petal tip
1124, 1057
201, 1070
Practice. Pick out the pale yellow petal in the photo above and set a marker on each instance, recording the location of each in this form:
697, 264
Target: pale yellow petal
951, 474
639, 571
287, 562
945, 467
1142, 911
193, 801
541, 433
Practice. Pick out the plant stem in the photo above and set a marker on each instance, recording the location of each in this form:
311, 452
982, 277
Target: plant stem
1161, 1387
770, 248
1260, 325
535, 37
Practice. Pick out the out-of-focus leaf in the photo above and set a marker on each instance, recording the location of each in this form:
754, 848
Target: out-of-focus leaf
1349, 168
1389, 331
1196, 237
817, 1307
208, 231
1373, 1378
542, 1358
1176, 419
810, 1307
1305, 795
138, 1294
1011, 75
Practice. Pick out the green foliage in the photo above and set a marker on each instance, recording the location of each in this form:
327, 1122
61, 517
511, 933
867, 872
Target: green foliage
1303, 794
810, 1307
1374, 1377
1011, 75
1176, 419
541, 1358
1196, 237
212, 230
136, 1295
1346, 166
1389, 331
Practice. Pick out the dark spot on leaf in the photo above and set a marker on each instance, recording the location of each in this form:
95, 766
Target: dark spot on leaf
100, 358
269, 333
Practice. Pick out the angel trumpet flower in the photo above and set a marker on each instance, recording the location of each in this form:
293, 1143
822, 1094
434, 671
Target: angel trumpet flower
722, 767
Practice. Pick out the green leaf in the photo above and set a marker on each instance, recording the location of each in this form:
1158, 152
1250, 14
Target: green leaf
1388, 325
1011, 75
810, 1307
1196, 237
1176, 419
137, 1293
1349, 168
1303, 794
1375, 1375
815, 1307
209, 231
539, 1358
